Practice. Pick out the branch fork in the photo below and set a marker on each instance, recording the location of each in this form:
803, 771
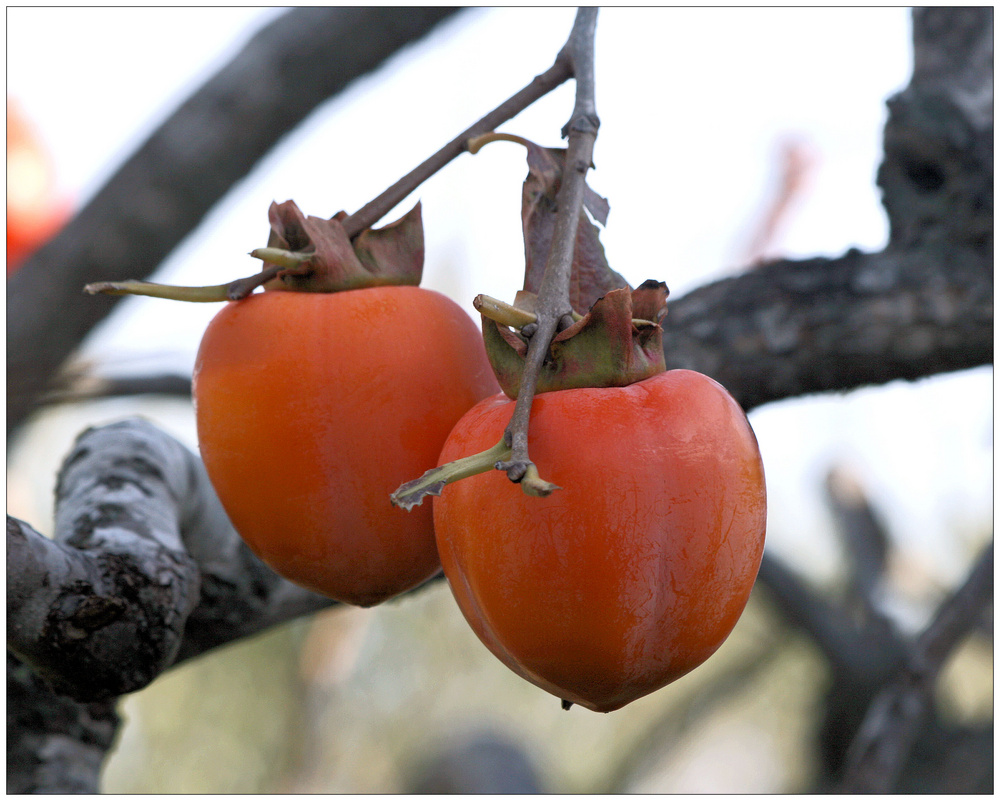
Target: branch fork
552, 311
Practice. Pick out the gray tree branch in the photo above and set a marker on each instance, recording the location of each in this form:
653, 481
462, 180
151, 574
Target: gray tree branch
54, 744
792, 328
144, 570
922, 306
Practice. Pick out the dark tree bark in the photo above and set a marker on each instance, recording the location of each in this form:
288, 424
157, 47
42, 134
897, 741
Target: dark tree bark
54, 744
144, 569
791, 328
924, 305
144, 572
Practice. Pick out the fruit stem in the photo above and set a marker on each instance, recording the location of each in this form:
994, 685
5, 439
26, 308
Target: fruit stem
412, 493
242, 287
476, 143
192, 294
281, 261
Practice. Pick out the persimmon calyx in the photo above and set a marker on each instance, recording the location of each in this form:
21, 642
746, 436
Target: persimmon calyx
511, 316
412, 493
308, 254
375, 257
618, 342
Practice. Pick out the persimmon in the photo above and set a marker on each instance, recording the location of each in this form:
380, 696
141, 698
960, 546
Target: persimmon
34, 210
312, 407
637, 568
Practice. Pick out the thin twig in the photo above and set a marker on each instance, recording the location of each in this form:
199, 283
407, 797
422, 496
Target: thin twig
865, 540
553, 307
541, 85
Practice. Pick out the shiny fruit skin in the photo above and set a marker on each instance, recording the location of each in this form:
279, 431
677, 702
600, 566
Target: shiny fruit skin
312, 408
637, 569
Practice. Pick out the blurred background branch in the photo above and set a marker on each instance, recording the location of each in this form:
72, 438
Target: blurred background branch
892, 724
879, 707
163, 191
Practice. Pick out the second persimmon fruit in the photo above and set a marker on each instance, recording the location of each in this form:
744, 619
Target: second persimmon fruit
313, 407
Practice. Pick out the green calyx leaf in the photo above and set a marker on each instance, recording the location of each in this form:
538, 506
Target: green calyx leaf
617, 343
316, 255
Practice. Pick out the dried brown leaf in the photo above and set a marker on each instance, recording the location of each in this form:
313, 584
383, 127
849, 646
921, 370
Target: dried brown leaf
591, 276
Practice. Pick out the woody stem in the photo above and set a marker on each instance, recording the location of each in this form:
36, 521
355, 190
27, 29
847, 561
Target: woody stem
412, 493
553, 308
541, 85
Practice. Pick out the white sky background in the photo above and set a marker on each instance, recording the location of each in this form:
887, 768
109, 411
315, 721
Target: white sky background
693, 103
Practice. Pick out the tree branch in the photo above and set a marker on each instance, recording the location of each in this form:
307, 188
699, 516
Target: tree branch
883, 743
922, 306
54, 744
83, 386
101, 614
144, 570
168, 185
865, 539
866, 651
553, 310
790, 328
372, 212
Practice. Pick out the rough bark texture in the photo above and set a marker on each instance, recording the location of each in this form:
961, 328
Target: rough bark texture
164, 190
144, 569
144, 572
54, 744
792, 328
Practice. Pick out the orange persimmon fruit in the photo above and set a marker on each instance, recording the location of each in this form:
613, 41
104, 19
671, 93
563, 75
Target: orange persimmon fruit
633, 572
312, 407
